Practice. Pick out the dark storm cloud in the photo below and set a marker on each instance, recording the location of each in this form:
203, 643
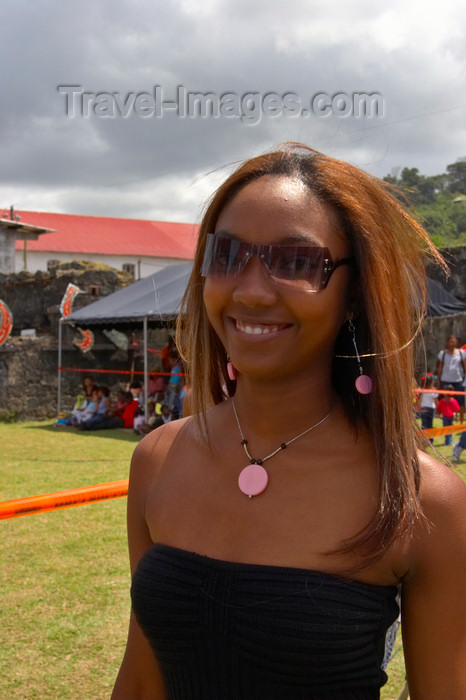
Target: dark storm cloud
154, 166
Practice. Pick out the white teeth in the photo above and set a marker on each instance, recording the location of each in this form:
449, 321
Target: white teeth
255, 330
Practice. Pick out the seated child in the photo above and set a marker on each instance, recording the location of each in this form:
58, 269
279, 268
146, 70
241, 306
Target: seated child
89, 412
138, 419
106, 421
117, 408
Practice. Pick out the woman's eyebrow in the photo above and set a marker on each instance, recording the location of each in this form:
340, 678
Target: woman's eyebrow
286, 239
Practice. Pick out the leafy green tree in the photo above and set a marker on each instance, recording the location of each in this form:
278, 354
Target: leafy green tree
437, 219
458, 214
457, 176
438, 200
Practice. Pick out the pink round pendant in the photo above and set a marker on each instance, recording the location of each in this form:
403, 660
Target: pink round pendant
363, 384
253, 480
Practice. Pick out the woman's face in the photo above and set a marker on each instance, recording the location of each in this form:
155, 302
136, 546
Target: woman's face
451, 342
268, 326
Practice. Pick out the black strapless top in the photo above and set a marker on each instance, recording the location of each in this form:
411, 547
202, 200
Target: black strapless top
227, 631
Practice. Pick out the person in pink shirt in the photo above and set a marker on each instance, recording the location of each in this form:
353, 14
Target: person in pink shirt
447, 407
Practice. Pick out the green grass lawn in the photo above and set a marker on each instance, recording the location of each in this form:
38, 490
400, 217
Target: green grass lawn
64, 575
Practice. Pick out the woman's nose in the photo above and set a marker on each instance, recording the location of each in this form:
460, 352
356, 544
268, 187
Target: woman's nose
254, 285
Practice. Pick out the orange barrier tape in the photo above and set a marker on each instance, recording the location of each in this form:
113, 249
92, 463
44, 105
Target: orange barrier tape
63, 499
438, 391
126, 371
447, 430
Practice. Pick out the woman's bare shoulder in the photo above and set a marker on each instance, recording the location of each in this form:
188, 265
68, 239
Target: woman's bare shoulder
168, 431
443, 500
155, 446
441, 487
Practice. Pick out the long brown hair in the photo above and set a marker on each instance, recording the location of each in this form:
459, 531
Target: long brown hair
389, 247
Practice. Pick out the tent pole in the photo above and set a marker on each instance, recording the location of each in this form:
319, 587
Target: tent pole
60, 329
146, 382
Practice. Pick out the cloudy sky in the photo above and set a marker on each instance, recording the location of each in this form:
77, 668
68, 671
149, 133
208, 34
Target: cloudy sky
121, 150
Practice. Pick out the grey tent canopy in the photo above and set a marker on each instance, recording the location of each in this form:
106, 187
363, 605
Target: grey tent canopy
440, 302
157, 297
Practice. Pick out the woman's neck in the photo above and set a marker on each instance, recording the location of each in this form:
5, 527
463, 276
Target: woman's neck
271, 410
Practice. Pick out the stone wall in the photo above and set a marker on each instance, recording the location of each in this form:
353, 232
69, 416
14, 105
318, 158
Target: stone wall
34, 299
28, 378
29, 366
455, 283
29, 372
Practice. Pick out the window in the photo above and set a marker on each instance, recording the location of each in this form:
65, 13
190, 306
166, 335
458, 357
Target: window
129, 267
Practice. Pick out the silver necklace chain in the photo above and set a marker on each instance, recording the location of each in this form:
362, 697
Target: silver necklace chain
244, 442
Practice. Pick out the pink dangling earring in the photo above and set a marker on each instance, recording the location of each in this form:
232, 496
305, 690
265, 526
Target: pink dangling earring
231, 370
363, 383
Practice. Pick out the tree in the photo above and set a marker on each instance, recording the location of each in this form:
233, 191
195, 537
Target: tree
436, 218
439, 200
457, 177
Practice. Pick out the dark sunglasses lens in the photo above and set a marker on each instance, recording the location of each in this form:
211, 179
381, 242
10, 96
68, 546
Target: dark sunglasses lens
298, 263
222, 256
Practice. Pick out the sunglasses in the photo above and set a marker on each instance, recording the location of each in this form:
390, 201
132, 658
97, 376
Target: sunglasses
304, 266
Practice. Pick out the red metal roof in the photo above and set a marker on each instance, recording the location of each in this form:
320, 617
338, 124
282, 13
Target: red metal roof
110, 236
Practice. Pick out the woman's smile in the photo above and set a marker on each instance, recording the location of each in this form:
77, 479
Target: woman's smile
258, 328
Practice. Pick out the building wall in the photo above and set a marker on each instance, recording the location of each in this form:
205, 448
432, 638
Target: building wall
143, 266
7, 252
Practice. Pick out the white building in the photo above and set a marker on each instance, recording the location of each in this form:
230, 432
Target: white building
135, 245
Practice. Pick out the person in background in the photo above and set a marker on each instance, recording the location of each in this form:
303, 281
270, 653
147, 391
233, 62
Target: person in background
137, 392
139, 420
451, 370
102, 410
104, 400
104, 422
458, 447
166, 416
447, 406
427, 404
155, 387
175, 384
166, 354
117, 408
89, 412
127, 417
82, 399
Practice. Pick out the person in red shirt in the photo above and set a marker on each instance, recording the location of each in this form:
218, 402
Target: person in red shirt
125, 421
128, 414
447, 407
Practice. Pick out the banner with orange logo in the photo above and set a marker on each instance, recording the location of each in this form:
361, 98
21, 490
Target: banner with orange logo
86, 341
67, 302
6, 322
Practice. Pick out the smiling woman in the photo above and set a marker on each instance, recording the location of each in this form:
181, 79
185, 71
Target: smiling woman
270, 533
273, 304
